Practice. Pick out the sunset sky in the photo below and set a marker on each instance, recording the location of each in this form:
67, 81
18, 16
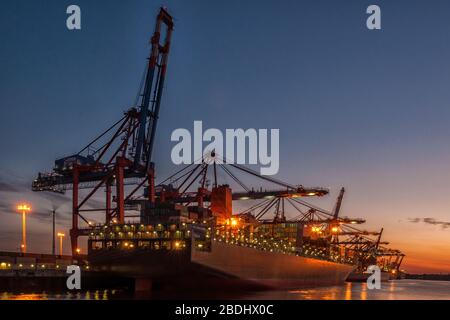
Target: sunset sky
367, 110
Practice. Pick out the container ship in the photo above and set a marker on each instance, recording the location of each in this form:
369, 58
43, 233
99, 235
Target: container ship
173, 242
188, 224
176, 242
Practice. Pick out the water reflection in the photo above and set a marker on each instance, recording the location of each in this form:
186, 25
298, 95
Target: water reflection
348, 291
98, 295
392, 290
363, 291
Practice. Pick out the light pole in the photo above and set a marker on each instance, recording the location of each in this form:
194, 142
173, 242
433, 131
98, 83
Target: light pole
24, 209
53, 234
61, 236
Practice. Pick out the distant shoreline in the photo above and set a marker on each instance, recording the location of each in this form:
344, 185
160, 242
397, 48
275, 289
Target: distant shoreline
435, 277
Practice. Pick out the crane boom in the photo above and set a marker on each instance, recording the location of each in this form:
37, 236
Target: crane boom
337, 208
154, 85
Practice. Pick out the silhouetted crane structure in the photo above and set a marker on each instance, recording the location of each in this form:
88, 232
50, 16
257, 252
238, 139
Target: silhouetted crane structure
122, 155
125, 157
339, 233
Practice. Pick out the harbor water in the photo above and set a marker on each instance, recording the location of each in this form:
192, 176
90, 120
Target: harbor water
392, 290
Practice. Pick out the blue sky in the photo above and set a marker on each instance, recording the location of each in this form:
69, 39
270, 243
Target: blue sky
363, 109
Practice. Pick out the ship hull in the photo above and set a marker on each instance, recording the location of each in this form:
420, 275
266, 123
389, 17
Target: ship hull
271, 269
223, 263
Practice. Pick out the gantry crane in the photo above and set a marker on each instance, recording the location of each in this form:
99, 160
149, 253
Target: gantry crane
125, 158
